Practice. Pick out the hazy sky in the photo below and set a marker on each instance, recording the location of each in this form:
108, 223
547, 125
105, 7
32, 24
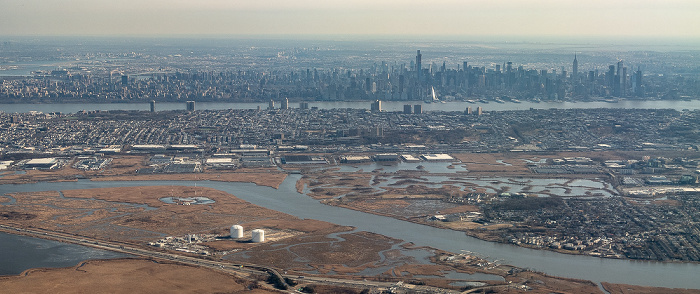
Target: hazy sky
670, 18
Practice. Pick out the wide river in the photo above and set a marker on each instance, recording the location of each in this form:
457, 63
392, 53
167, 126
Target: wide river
287, 200
386, 105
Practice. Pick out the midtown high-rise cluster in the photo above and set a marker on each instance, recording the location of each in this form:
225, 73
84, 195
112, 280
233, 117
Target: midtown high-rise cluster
413, 81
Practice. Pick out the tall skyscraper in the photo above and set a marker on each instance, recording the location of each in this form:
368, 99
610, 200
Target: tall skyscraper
190, 105
407, 109
619, 68
271, 104
617, 88
285, 104
610, 76
574, 71
419, 66
510, 75
623, 82
638, 89
153, 106
419, 75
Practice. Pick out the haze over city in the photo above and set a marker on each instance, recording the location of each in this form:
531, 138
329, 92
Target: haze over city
531, 18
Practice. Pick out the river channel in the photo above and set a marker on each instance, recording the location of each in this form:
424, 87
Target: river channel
287, 200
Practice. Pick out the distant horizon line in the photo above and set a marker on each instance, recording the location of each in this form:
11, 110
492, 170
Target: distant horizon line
527, 38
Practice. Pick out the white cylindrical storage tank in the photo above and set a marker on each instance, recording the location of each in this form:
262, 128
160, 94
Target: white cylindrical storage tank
236, 232
258, 236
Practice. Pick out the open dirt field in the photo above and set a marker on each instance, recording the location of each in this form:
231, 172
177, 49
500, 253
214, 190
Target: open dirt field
487, 162
402, 208
544, 284
135, 214
330, 185
127, 276
343, 253
631, 289
148, 276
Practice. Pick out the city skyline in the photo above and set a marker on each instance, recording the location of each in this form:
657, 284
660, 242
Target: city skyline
531, 18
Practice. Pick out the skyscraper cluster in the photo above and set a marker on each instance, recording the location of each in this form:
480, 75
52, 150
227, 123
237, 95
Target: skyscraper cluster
418, 80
